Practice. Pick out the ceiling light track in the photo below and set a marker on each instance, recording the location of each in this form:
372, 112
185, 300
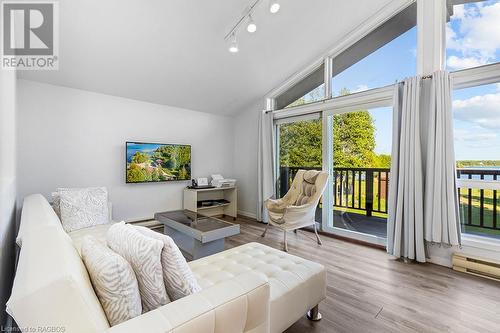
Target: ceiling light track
273, 6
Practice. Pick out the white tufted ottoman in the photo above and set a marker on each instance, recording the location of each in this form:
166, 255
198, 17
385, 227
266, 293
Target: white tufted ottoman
297, 285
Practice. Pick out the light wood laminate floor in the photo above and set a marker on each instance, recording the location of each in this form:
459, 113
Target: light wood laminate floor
368, 291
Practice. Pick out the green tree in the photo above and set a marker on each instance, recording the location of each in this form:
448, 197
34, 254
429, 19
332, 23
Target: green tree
140, 158
136, 174
383, 161
353, 140
300, 144
155, 176
183, 174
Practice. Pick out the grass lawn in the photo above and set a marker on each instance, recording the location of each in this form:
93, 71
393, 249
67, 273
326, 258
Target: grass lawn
472, 227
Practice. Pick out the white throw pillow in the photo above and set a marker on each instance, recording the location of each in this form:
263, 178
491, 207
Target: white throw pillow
177, 275
144, 255
56, 204
113, 280
83, 207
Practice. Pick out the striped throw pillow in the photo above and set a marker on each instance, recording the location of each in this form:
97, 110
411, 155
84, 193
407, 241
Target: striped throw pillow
113, 280
144, 255
177, 275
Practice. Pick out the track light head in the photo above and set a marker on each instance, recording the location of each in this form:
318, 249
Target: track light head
233, 47
251, 27
274, 6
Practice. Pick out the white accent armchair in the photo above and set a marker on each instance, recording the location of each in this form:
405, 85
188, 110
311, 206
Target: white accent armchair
298, 207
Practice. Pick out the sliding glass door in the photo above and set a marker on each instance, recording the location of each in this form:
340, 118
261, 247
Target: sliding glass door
359, 161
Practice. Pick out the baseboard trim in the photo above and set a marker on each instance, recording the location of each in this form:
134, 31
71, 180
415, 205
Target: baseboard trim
349, 240
247, 214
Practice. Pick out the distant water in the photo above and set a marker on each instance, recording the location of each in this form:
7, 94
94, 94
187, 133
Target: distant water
482, 168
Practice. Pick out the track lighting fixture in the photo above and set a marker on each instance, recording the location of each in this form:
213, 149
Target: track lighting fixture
274, 6
246, 18
233, 47
251, 27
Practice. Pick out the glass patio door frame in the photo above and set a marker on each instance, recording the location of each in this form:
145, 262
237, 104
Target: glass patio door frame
375, 98
282, 121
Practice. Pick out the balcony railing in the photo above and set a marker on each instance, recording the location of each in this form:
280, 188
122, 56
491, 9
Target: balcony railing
479, 198
365, 191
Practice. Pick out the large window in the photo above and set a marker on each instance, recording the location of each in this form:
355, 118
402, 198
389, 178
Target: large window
393, 61
317, 94
477, 140
387, 54
357, 129
473, 34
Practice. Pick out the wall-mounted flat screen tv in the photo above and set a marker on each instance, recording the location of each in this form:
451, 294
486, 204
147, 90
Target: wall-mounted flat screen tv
156, 162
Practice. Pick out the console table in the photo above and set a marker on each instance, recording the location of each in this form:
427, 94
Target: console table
227, 197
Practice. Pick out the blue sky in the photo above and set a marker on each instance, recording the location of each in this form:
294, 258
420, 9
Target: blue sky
473, 39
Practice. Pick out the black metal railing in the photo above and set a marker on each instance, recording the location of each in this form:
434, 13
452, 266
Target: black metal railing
360, 189
479, 206
365, 191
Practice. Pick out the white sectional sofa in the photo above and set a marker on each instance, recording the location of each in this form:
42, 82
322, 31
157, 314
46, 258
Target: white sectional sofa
252, 288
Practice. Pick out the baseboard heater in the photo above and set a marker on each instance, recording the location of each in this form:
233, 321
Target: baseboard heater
476, 266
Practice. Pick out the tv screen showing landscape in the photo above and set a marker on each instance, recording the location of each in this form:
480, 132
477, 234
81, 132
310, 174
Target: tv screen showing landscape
154, 162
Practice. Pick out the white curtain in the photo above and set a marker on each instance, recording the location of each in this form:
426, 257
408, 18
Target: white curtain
423, 198
441, 207
405, 225
266, 164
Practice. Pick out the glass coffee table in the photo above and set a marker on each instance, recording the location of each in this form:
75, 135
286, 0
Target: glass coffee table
195, 234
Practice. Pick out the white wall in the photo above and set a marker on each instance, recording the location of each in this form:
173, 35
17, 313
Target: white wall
245, 158
75, 138
7, 184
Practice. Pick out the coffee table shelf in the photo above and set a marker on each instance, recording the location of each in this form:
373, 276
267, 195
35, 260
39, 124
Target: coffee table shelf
197, 235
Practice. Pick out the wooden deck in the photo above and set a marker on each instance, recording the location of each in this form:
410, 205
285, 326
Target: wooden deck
368, 291
372, 225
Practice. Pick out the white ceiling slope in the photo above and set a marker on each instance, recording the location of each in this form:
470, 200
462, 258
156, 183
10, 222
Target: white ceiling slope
172, 52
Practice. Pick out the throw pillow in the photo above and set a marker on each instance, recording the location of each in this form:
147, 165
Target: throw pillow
113, 280
83, 207
144, 255
56, 204
177, 275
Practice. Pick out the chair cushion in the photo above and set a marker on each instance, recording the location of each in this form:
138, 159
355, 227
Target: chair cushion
310, 176
82, 208
113, 280
144, 255
307, 192
296, 284
177, 275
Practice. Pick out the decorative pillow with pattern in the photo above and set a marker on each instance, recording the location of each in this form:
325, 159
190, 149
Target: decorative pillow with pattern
144, 255
56, 204
113, 280
83, 207
177, 275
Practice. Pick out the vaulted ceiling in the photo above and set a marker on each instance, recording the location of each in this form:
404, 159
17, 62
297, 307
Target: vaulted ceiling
173, 52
